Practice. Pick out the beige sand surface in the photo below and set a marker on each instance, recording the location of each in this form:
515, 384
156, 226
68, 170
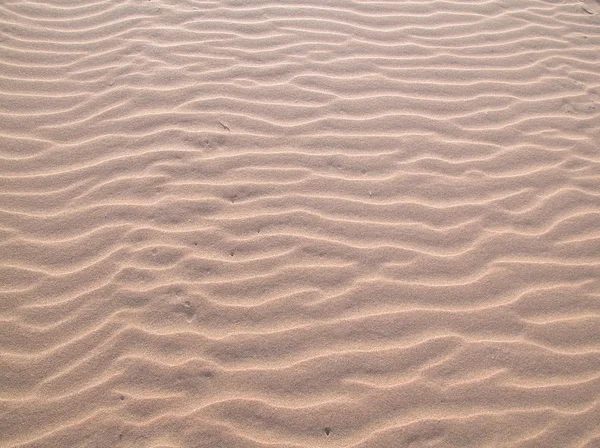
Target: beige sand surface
304, 223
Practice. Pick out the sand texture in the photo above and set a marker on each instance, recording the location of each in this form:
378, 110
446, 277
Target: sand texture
299, 224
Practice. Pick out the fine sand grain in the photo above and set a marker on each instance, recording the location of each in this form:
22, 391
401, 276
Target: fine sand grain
305, 223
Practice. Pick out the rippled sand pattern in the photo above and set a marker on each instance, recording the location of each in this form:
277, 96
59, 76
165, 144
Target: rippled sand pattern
311, 223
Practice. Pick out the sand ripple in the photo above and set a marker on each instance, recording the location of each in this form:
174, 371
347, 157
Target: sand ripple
300, 224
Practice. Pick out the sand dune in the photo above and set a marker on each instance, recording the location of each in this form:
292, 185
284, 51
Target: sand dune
300, 224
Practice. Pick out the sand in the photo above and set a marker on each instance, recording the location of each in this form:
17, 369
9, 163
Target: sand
306, 223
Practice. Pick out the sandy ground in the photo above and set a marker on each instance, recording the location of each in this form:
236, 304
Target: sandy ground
306, 223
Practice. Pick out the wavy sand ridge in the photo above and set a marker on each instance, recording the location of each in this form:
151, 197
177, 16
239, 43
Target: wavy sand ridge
300, 224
